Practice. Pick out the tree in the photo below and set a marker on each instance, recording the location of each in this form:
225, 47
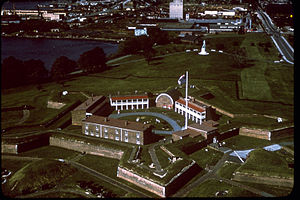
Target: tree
93, 60
35, 71
61, 67
149, 54
13, 72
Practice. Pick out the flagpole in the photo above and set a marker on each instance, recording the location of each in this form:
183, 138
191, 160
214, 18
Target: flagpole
186, 99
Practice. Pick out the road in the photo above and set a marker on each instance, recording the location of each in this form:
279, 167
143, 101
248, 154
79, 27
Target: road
282, 45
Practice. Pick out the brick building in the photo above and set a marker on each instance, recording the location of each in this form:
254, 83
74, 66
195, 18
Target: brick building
208, 130
167, 99
98, 105
116, 129
129, 102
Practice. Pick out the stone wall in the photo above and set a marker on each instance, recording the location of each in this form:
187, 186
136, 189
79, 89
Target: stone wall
162, 190
282, 132
82, 146
55, 105
257, 133
9, 148
284, 182
141, 182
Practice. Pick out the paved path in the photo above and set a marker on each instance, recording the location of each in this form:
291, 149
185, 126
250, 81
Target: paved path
172, 122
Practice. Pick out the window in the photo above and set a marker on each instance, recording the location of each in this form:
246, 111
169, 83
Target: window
116, 132
117, 138
137, 135
86, 126
105, 135
92, 133
126, 139
97, 128
126, 133
105, 130
86, 132
138, 141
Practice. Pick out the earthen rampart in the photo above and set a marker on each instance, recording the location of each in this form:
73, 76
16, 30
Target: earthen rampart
82, 146
279, 181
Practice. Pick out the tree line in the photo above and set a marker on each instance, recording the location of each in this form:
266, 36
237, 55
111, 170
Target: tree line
16, 72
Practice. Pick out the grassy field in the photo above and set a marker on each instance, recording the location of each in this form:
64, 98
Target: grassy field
210, 187
271, 164
261, 87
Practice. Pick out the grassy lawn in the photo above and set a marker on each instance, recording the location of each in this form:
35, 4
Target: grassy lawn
227, 169
275, 190
13, 165
210, 187
259, 83
108, 166
203, 158
38, 175
271, 164
240, 142
162, 125
51, 152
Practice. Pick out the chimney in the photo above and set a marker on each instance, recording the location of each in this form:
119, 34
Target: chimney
126, 122
105, 119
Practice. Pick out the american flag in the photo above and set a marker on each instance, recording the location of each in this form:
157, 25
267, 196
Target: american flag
182, 80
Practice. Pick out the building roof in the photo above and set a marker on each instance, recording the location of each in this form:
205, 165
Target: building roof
194, 105
129, 97
181, 133
188, 132
202, 127
90, 103
117, 123
211, 123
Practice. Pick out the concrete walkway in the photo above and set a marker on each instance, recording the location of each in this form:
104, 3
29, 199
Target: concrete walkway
172, 122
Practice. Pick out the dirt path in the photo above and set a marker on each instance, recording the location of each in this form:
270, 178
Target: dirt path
26, 114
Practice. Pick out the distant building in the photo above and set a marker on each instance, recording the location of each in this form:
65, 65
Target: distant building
176, 9
118, 130
167, 99
196, 111
129, 102
98, 105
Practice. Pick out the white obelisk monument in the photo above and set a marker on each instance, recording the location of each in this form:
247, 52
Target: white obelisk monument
203, 51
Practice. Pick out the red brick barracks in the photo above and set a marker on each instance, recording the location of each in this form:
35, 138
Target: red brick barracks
118, 130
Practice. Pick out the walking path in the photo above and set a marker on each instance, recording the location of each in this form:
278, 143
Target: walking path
26, 114
172, 122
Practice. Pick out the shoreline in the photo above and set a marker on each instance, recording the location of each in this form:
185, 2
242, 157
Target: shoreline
110, 40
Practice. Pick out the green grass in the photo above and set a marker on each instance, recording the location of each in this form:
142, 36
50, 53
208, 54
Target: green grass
210, 187
37, 174
203, 158
278, 191
270, 164
227, 170
240, 142
261, 88
50, 152
108, 166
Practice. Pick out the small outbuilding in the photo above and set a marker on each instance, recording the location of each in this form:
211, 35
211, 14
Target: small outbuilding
167, 99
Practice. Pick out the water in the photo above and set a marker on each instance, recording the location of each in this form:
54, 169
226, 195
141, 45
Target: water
48, 50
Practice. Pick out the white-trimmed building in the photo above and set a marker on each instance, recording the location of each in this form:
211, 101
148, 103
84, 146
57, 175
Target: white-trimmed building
167, 99
176, 9
196, 111
129, 102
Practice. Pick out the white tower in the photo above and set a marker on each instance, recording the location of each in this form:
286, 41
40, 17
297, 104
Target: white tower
176, 9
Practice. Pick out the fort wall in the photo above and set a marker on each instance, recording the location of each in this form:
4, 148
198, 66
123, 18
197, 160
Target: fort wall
81, 146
